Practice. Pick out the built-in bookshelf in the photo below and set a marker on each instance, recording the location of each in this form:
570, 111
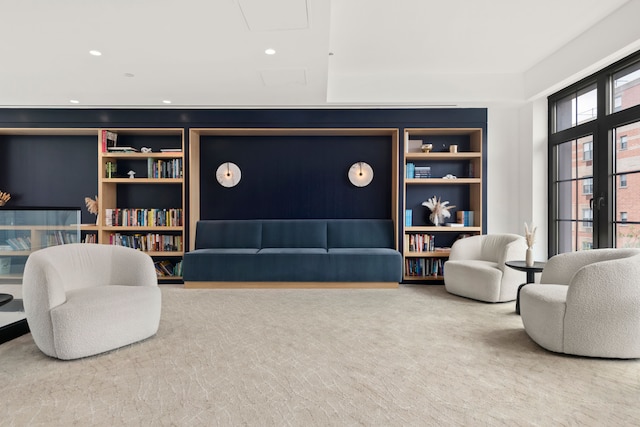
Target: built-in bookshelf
141, 194
446, 164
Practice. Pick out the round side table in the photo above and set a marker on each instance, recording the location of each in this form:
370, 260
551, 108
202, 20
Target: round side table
531, 271
5, 298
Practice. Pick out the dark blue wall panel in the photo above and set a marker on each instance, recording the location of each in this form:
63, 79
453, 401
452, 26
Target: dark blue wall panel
295, 177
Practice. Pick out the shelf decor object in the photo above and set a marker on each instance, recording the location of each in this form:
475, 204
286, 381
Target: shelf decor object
439, 210
228, 174
360, 174
4, 198
530, 236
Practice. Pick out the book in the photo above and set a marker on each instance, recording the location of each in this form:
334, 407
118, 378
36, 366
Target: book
121, 149
408, 218
453, 224
411, 168
171, 150
109, 140
465, 218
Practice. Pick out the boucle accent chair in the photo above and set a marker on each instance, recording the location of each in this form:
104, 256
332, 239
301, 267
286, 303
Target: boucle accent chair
587, 303
84, 299
476, 267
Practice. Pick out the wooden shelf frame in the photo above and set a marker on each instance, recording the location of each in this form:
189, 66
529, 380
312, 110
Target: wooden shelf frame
194, 160
471, 153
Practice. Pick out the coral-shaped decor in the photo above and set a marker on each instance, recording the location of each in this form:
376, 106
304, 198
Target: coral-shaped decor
439, 210
92, 206
4, 198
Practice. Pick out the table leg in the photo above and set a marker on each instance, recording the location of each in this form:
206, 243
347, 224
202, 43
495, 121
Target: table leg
518, 297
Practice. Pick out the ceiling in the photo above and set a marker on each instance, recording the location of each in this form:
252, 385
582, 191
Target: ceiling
211, 53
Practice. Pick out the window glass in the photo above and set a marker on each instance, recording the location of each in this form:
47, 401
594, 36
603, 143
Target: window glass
627, 159
627, 196
574, 190
587, 150
626, 87
577, 108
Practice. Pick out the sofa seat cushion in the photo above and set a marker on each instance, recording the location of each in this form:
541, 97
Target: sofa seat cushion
97, 319
476, 279
366, 264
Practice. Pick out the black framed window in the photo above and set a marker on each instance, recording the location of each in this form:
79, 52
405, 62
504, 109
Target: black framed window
594, 160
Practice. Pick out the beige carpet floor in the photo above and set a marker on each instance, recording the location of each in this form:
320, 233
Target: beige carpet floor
413, 356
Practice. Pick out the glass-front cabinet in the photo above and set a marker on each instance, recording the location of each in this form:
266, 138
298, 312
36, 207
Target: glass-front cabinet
22, 231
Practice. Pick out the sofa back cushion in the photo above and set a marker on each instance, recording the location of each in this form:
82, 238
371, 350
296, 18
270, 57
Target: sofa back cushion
360, 233
228, 234
294, 233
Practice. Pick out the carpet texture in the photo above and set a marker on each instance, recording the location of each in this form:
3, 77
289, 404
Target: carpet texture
413, 356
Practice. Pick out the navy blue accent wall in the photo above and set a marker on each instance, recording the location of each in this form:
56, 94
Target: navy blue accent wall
295, 177
49, 171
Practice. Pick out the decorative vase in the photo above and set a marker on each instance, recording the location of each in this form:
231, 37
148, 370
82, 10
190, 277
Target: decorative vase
529, 259
435, 219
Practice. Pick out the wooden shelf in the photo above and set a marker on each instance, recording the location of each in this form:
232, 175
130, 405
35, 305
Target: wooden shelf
423, 278
134, 181
428, 254
443, 156
15, 253
143, 156
127, 229
442, 181
439, 229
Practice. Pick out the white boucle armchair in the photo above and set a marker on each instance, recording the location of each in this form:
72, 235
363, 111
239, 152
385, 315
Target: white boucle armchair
587, 303
84, 299
476, 267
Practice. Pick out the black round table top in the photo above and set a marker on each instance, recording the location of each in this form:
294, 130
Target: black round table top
5, 298
537, 266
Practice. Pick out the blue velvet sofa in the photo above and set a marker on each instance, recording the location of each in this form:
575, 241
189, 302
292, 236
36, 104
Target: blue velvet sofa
293, 253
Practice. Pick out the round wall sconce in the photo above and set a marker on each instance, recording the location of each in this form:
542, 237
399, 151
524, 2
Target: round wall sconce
360, 174
228, 174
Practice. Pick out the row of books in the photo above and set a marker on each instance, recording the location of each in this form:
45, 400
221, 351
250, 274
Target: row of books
419, 242
143, 217
59, 238
424, 267
108, 140
90, 238
158, 168
20, 243
414, 171
465, 218
148, 242
165, 268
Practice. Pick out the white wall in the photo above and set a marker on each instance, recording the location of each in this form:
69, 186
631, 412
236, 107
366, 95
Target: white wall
517, 152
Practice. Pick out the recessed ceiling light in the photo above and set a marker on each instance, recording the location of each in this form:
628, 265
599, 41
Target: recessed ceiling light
166, 101
270, 51
95, 52
74, 101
